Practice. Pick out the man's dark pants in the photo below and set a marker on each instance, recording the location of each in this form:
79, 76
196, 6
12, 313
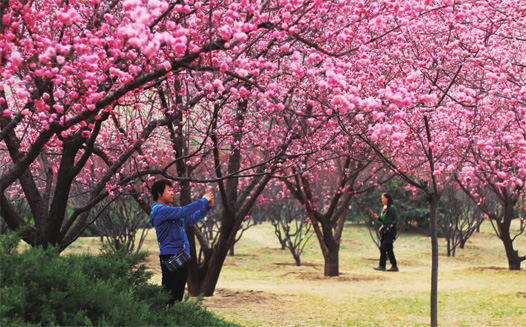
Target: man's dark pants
174, 281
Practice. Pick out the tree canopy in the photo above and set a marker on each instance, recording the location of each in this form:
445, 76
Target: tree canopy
100, 97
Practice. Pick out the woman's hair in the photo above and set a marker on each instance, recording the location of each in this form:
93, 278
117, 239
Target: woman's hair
158, 188
389, 199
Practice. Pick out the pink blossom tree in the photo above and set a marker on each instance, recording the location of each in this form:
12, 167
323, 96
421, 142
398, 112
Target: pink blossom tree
76, 94
82, 94
494, 175
242, 174
326, 193
435, 76
103, 91
106, 90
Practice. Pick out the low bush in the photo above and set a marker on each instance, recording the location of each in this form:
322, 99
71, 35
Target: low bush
41, 287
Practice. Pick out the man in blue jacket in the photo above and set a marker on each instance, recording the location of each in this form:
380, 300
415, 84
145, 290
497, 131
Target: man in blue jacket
170, 223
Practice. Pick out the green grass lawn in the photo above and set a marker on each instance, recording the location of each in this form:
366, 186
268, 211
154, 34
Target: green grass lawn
261, 286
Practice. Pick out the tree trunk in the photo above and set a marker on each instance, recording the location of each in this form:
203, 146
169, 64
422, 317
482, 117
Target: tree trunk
209, 283
297, 259
503, 225
330, 247
514, 261
210, 269
433, 205
194, 273
332, 261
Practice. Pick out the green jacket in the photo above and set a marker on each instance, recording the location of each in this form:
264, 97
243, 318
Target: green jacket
388, 217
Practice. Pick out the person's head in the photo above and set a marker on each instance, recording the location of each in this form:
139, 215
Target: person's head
387, 199
162, 191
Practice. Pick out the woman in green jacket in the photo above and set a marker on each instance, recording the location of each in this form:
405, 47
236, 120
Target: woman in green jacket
389, 219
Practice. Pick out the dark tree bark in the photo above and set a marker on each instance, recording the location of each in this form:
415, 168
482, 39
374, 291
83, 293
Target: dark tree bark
499, 205
328, 226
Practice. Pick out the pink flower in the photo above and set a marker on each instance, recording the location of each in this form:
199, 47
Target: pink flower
180, 48
242, 72
209, 87
218, 84
43, 58
397, 136
240, 37
323, 85
378, 115
68, 17
151, 49
59, 108
426, 98
129, 4
226, 32
16, 58
22, 93
399, 115
285, 47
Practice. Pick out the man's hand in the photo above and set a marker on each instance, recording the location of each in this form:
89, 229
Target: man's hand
210, 197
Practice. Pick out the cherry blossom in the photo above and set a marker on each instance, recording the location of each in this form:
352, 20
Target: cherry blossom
100, 97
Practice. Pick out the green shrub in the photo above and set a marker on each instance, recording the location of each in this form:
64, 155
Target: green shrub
41, 287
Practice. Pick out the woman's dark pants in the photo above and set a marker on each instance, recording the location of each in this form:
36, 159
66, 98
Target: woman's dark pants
386, 250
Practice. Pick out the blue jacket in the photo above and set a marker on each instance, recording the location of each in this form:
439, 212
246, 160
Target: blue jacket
169, 223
